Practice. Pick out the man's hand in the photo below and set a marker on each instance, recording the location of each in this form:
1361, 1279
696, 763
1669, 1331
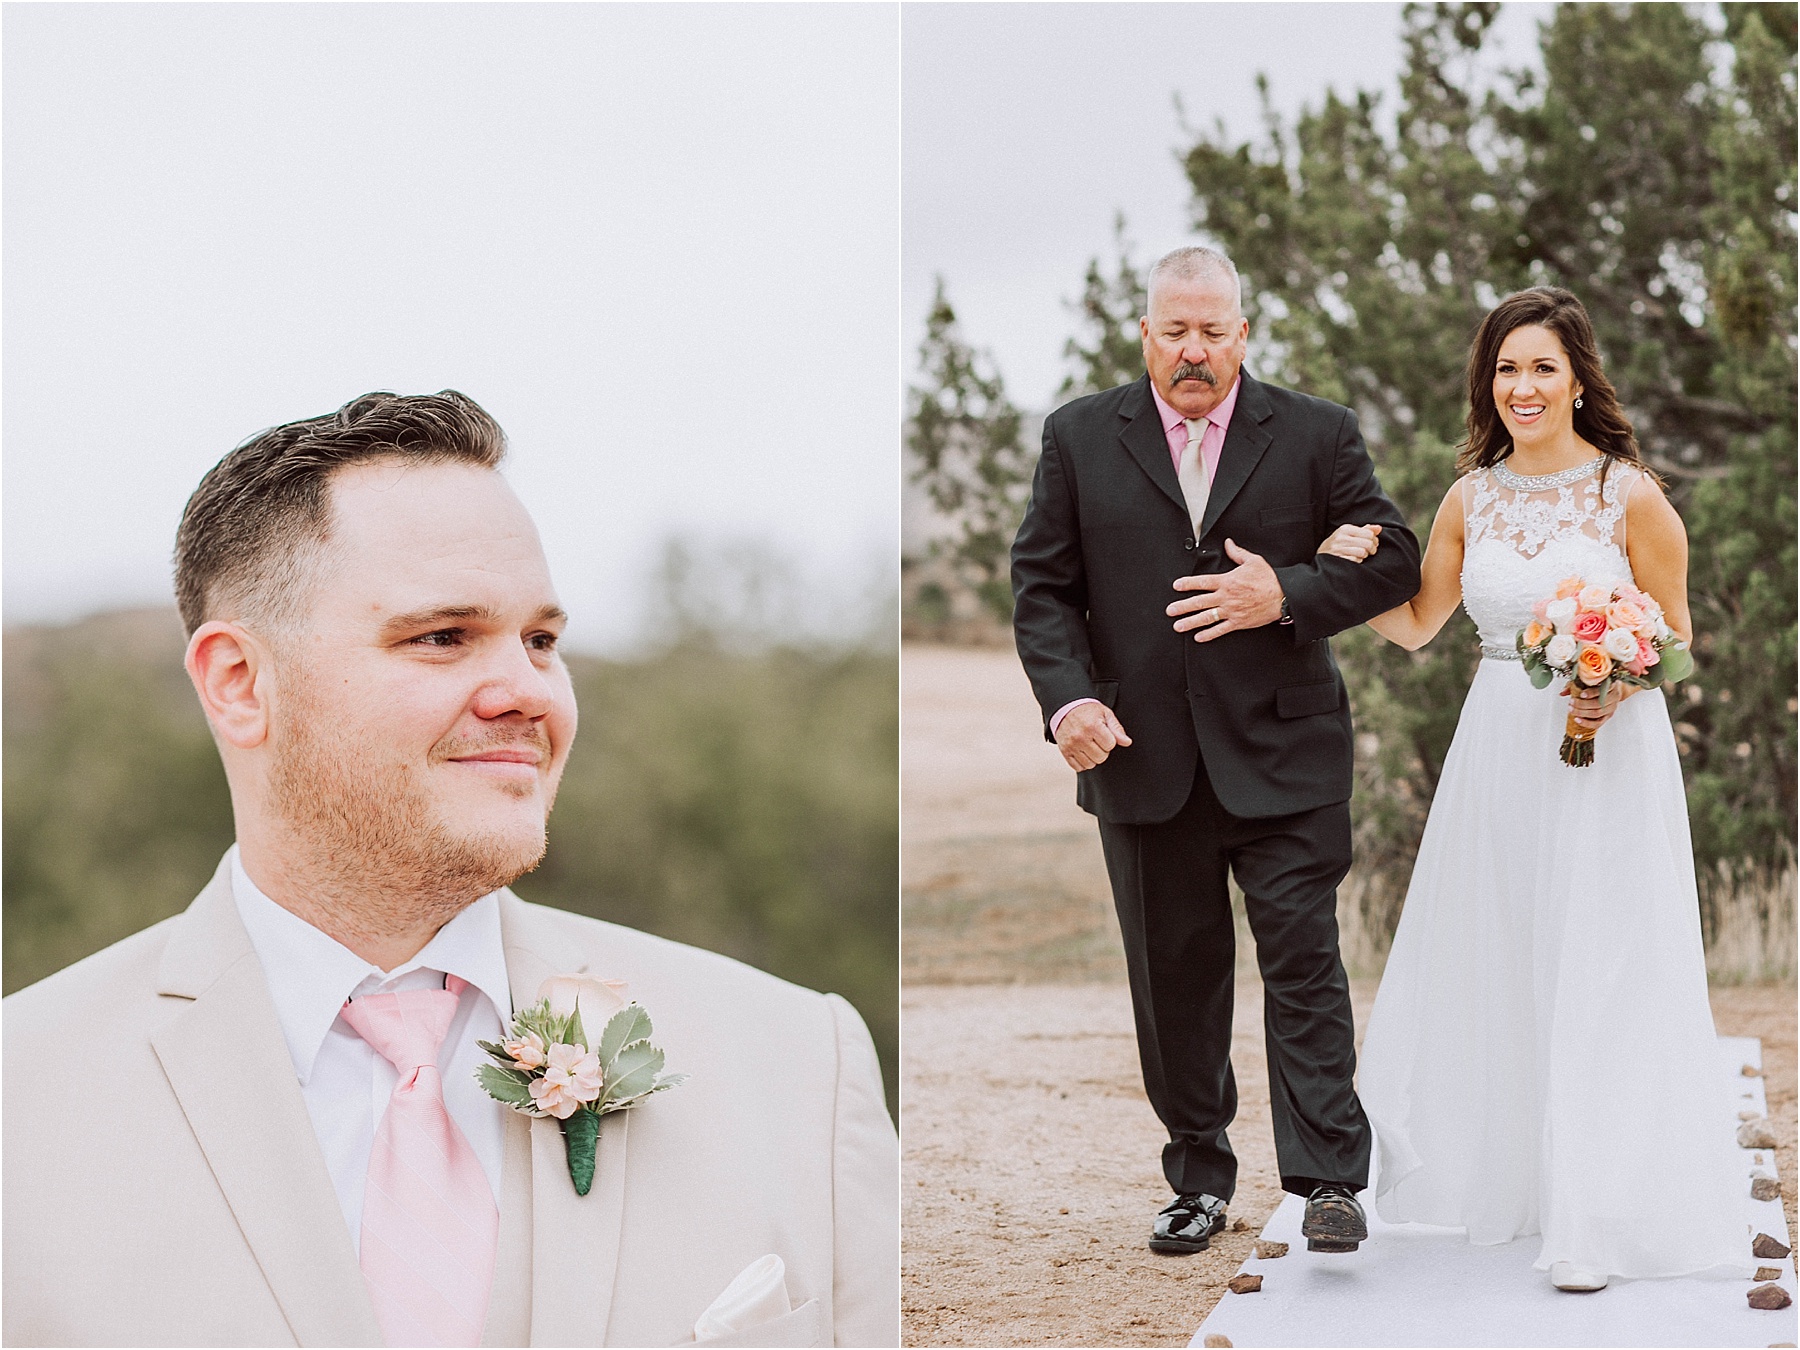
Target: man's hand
1248, 596
1087, 735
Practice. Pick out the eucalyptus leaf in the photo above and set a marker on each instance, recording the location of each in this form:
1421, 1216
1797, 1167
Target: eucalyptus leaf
1677, 663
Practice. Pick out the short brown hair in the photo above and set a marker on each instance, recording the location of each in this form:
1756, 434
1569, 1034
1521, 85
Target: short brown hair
1599, 421
262, 513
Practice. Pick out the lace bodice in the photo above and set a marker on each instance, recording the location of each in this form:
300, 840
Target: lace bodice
1521, 536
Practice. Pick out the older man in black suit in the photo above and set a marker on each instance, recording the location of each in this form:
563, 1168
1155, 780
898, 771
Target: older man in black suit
1172, 613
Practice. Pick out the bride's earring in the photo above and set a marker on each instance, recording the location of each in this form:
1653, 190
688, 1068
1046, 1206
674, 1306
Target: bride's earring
1578, 400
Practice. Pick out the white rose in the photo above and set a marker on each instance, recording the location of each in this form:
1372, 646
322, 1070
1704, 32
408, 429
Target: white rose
1561, 614
1595, 597
1663, 631
1621, 644
600, 999
1561, 650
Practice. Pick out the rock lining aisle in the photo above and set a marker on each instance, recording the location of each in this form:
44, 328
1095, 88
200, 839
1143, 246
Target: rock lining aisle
1418, 1285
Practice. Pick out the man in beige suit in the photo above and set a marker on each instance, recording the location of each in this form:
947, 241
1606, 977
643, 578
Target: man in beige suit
373, 638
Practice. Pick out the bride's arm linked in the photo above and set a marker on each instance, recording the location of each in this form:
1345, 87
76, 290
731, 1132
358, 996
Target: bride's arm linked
1416, 622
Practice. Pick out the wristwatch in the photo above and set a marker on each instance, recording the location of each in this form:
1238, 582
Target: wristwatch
1285, 616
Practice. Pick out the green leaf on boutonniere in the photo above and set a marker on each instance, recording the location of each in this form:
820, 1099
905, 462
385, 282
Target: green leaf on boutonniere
498, 1052
505, 1085
573, 1032
630, 1023
634, 1072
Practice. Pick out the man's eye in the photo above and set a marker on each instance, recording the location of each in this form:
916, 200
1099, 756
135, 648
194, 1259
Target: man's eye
443, 637
542, 642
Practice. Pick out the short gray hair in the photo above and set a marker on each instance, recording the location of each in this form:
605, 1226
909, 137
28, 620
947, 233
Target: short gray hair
1191, 262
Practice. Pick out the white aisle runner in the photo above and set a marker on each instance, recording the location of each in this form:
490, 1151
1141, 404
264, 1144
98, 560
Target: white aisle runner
1418, 1285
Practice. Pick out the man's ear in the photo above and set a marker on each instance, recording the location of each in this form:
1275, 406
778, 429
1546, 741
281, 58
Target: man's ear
229, 667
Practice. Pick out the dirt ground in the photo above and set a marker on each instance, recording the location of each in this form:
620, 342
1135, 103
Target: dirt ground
1031, 1167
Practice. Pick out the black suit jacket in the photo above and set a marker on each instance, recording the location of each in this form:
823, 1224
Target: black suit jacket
1105, 536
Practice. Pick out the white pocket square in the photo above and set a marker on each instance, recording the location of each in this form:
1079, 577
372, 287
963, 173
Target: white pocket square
758, 1294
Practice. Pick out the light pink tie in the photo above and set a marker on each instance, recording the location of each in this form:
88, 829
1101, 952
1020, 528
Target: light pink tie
429, 1224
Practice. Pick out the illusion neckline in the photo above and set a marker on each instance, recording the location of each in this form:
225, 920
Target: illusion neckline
1520, 482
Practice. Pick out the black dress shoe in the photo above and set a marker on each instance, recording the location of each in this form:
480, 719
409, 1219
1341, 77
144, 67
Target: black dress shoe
1186, 1224
1334, 1220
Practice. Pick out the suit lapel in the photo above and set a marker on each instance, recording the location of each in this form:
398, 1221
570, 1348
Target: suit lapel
228, 1064
1244, 446
1143, 436
574, 1238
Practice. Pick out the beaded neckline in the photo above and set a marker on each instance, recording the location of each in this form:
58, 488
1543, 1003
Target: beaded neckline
1519, 482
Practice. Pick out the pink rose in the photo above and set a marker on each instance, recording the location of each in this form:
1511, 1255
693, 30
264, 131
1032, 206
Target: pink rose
1539, 611
1590, 626
1647, 655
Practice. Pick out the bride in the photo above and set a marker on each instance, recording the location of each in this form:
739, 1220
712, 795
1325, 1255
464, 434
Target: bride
1541, 1056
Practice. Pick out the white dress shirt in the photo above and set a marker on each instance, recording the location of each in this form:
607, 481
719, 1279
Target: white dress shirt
345, 1083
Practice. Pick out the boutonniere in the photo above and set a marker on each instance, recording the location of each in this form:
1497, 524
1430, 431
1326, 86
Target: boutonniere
550, 1066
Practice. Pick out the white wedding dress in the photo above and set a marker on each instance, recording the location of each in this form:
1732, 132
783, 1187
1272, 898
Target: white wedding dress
1541, 1055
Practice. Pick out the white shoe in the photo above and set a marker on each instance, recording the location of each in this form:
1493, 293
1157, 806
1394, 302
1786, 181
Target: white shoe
1573, 1278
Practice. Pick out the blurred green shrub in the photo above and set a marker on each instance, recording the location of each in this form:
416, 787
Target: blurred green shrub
745, 801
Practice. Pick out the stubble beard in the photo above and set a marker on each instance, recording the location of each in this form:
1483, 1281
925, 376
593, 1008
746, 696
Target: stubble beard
363, 844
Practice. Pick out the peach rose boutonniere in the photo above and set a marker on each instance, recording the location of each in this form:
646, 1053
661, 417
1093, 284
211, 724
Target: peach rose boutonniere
1599, 636
552, 1067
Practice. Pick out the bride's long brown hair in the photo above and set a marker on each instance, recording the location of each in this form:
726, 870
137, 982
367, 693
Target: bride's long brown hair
1599, 420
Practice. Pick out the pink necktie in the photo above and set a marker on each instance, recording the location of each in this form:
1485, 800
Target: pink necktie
429, 1224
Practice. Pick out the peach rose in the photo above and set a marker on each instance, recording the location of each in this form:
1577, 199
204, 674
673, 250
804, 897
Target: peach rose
527, 1051
1594, 597
1568, 588
1625, 614
1589, 626
1536, 632
599, 999
1592, 665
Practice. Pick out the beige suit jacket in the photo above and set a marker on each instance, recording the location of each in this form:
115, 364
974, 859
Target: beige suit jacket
163, 1185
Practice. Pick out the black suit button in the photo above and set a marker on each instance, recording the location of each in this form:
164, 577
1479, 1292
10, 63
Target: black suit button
1188, 545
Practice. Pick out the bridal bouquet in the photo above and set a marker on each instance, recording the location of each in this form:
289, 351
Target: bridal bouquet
1598, 636
551, 1065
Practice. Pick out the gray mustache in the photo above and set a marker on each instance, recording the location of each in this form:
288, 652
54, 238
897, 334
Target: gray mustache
1187, 370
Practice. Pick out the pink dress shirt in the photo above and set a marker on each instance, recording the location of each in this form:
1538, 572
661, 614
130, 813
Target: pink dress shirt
1212, 445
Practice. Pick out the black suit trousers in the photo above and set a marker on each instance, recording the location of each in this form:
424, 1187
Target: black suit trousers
1169, 883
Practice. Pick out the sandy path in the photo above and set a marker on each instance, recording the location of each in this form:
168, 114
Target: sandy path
1031, 1156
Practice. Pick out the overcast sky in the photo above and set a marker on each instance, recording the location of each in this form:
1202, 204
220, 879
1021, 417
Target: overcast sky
659, 243
1027, 126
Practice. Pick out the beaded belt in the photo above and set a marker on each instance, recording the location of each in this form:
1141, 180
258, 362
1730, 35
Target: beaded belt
1499, 653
